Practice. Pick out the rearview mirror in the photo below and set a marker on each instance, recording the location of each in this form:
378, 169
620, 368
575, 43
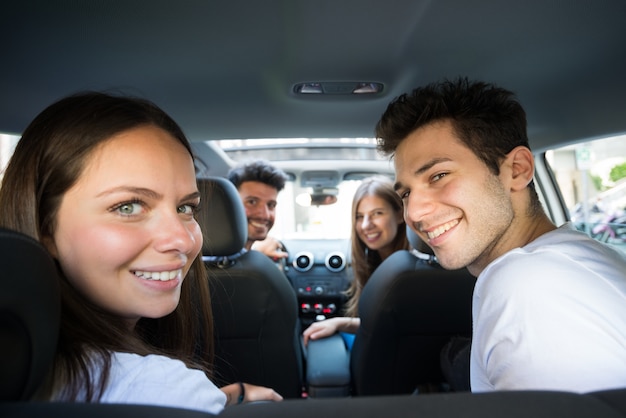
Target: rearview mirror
319, 197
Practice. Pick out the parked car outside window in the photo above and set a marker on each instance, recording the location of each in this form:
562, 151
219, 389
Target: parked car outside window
592, 180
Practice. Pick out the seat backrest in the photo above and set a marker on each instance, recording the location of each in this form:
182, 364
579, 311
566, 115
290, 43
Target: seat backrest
30, 315
536, 404
409, 310
30, 309
255, 308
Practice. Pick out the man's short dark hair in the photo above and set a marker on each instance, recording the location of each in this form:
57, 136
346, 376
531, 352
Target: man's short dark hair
258, 170
488, 119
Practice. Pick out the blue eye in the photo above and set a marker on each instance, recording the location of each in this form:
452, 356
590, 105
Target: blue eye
129, 208
188, 209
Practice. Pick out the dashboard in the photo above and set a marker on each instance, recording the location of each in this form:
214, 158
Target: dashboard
320, 272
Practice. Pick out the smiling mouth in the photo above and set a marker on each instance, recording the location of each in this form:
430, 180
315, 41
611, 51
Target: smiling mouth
372, 236
441, 229
163, 276
258, 224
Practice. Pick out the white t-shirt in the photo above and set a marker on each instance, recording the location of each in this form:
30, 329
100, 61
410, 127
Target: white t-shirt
551, 316
159, 380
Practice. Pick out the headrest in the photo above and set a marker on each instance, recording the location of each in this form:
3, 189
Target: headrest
30, 312
417, 243
222, 218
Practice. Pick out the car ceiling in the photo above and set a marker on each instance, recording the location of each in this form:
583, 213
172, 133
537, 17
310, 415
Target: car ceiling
226, 69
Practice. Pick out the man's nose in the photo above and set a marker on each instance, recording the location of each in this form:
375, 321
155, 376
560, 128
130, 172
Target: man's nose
416, 207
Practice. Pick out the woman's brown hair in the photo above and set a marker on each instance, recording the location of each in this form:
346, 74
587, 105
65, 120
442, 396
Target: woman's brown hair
47, 162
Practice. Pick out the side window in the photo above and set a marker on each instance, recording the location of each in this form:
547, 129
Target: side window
7, 145
592, 179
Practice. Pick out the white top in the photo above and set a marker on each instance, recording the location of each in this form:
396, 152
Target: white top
159, 380
551, 316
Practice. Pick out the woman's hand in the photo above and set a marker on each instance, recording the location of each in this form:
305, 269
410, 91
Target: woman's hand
328, 327
250, 393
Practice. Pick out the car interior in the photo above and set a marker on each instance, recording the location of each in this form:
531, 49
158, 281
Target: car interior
302, 84
255, 311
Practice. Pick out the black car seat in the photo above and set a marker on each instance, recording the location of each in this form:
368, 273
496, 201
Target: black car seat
522, 403
30, 309
30, 315
255, 308
409, 309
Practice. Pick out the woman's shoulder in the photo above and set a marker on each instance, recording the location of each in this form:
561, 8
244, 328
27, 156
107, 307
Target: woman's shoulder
133, 360
160, 380
135, 367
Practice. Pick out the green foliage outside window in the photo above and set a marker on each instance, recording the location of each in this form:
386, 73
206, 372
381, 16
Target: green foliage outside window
618, 172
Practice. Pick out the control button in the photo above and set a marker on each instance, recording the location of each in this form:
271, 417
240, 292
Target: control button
319, 290
318, 308
305, 308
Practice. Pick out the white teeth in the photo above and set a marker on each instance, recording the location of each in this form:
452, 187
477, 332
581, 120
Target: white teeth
443, 228
258, 225
158, 275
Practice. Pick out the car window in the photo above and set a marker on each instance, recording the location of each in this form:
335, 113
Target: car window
296, 215
591, 177
7, 145
297, 218
592, 180
299, 215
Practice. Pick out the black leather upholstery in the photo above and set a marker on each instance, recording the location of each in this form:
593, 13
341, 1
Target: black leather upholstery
30, 308
513, 404
223, 220
94, 410
510, 404
29, 315
409, 310
257, 330
417, 243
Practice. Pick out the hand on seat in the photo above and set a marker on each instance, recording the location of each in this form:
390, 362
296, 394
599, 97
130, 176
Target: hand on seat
328, 327
271, 247
251, 393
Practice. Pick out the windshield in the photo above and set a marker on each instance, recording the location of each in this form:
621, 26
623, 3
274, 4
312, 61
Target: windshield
308, 212
294, 220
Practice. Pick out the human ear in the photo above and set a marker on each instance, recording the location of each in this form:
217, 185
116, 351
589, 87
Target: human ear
522, 163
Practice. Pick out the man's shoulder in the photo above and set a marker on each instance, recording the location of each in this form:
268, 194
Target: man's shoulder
557, 259
561, 246
571, 246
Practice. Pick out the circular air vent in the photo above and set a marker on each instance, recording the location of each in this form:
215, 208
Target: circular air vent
303, 261
335, 261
